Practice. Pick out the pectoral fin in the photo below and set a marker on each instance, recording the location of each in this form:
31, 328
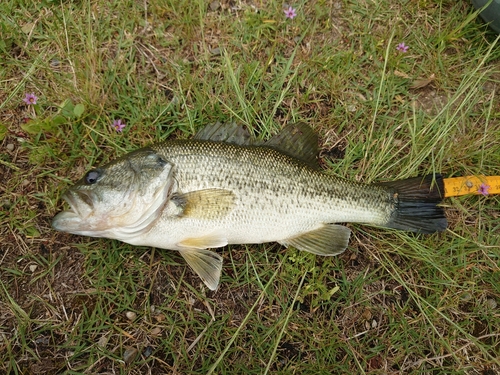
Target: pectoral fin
205, 204
329, 240
207, 264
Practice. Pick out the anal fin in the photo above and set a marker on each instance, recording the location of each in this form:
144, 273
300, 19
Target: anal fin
207, 265
329, 240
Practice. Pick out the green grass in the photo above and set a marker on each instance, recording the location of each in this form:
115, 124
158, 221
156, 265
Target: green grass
392, 303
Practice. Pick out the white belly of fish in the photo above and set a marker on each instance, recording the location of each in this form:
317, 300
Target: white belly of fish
245, 225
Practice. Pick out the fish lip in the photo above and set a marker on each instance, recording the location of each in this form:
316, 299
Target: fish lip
69, 219
68, 197
64, 220
75, 200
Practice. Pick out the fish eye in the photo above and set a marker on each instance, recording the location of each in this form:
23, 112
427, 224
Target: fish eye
92, 176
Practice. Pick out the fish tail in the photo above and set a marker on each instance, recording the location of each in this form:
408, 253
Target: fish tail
417, 204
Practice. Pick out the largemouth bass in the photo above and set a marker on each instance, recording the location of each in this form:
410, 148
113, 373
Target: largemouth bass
223, 188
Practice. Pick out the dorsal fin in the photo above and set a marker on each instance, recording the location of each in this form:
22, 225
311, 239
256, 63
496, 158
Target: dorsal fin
298, 141
230, 132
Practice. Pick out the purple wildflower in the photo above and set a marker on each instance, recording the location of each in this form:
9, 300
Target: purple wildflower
402, 47
30, 98
118, 125
484, 189
290, 13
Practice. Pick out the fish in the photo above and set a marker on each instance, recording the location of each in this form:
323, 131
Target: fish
225, 187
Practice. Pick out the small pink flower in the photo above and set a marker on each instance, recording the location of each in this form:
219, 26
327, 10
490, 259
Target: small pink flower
118, 125
30, 98
290, 13
402, 47
484, 189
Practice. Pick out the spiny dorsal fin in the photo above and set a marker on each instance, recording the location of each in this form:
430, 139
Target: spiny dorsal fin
206, 264
225, 132
329, 240
205, 204
298, 141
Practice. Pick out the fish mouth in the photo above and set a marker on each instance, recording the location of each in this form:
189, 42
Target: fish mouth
79, 201
81, 205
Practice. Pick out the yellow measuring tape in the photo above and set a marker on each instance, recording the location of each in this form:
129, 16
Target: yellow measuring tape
457, 186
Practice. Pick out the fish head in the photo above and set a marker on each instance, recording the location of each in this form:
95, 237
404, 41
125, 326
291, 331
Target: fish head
119, 200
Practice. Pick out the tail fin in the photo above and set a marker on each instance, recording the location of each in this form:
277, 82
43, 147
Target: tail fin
416, 204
